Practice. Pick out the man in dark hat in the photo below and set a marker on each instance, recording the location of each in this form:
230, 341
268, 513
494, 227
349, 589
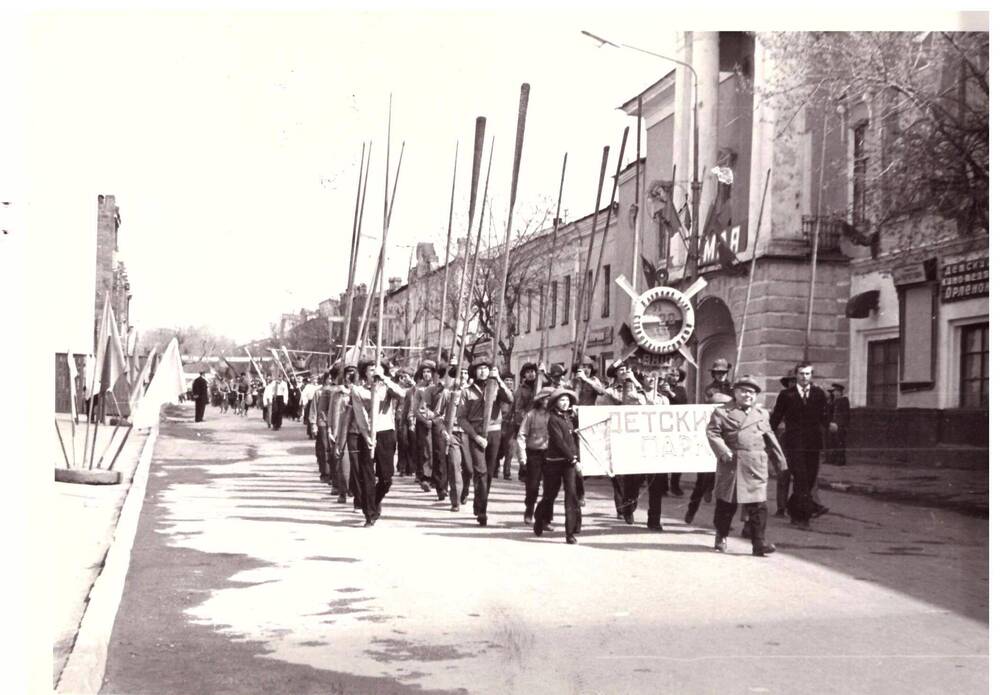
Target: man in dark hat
484, 451
199, 388
803, 410
740, 435
720, 390
523, 399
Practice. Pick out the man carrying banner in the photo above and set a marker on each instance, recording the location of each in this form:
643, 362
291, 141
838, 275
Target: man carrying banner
671, 388
484, 451
740, 434
624, 390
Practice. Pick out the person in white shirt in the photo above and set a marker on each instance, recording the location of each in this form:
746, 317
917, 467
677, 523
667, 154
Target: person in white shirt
280, 395
266, 399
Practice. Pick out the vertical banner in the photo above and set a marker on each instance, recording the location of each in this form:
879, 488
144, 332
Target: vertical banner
621, 440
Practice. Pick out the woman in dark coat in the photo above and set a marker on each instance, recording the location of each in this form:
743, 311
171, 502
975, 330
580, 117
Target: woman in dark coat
559, 468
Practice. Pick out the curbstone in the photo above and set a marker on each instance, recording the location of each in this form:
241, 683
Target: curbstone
85, 667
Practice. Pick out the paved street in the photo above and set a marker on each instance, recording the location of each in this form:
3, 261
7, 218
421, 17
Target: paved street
248, 577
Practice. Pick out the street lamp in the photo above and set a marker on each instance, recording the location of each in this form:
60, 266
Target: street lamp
695, 183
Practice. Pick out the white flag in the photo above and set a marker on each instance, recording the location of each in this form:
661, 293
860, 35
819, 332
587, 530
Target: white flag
166, 387
71, 363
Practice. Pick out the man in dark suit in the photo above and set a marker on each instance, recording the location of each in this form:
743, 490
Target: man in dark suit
802, 407
199, 389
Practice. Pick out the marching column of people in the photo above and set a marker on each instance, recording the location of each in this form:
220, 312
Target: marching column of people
434, 426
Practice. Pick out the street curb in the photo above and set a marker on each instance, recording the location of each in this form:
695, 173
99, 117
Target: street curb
980, 511
84, 670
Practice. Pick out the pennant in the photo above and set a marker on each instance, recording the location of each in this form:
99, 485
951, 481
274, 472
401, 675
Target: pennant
71, 363
110, 359
166, 386
140, 381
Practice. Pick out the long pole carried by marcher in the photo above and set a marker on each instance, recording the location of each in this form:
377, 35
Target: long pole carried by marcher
363, 334
815, 246
489, 397
254, 363
447, 265
543, 347
477, 158
582, 298
753, 266
465, 291
355, 243
600, 254
119, 450
636, 234
381, 262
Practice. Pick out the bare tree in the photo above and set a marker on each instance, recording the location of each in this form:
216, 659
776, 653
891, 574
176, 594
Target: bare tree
928, 97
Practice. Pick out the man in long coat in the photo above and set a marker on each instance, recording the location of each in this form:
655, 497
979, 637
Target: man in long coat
199, 389
740, 435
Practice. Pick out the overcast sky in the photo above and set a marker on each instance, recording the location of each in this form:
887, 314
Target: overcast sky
231, 139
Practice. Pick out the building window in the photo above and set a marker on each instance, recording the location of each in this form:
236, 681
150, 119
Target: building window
567, 283
859, 174
883, 373
555, 303
541, 306
527, 324
606, 301
587, 289
975, 360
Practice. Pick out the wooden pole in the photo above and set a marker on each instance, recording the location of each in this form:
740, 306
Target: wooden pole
489, 397
590, 250
121, 446
815, 246
381, 263
355, 243
447, 266
477, 157
63, 446
600, 255
636, 236
114, 431
753, 266
465, 293
543, 347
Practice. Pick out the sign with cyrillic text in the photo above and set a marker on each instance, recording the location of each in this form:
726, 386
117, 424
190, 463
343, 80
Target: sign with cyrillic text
621, 440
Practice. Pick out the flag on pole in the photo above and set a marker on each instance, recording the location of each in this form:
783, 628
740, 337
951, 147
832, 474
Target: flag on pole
166, 387
137, 387
110, 358
71, 363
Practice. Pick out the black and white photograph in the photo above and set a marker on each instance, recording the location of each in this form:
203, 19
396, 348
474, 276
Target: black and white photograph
442, 348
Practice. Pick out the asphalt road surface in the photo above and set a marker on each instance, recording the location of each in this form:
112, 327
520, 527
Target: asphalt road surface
248, 577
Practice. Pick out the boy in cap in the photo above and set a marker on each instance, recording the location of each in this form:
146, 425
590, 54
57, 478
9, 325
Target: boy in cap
740, 435
420, 425
559, 469
484, 451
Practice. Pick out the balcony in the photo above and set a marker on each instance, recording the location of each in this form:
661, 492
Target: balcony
829, 231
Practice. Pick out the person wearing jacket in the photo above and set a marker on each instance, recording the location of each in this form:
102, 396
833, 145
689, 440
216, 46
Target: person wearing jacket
740, 435
459, 465
319, 405
532, 441
420, 425
670, 387
802, 408
484, 451
559, 468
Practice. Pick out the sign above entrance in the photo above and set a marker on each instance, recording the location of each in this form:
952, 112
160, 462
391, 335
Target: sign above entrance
914, 273
965, 280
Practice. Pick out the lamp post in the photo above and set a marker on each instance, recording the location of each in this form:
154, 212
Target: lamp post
692, 258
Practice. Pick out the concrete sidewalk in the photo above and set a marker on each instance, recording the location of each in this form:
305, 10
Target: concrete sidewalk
86, 517
965, 490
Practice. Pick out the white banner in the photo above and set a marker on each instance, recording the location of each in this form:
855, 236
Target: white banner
620, 440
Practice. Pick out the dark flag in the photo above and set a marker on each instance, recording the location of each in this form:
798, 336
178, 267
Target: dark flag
720, 219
